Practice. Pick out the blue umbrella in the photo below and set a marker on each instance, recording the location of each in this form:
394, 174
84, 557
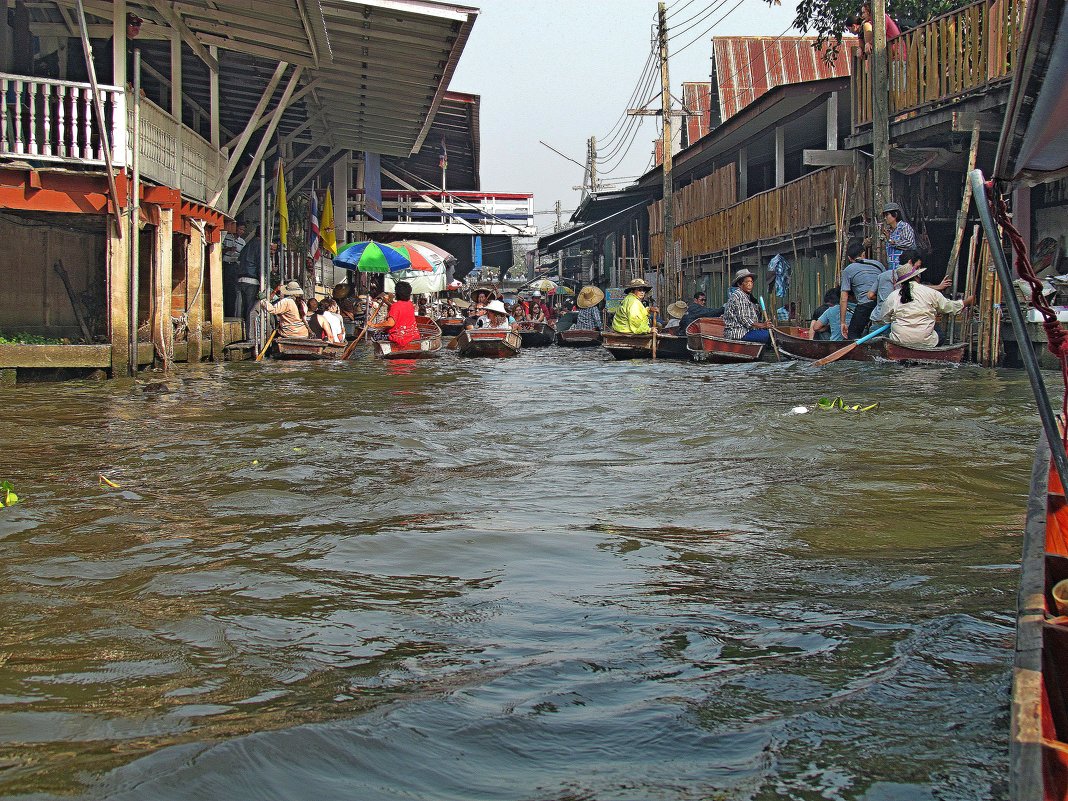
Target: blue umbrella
372, 257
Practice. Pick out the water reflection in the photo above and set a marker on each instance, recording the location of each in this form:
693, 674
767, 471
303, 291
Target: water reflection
548, 577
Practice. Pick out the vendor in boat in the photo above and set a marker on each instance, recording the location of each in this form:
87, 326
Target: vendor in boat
400, 317
494, 319
289, 310
589, 316
829, 325
741, 315
676, 311
633, 316
912, 308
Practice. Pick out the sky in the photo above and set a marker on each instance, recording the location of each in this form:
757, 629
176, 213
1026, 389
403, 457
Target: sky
562, 71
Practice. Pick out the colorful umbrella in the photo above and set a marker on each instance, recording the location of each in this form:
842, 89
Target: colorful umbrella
420, 258
371, 257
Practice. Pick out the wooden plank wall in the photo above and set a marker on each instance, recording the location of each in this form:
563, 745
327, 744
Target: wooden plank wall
33, 300
703, 197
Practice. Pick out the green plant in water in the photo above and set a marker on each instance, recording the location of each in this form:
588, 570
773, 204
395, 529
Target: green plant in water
28, 339
838, 403
7, 494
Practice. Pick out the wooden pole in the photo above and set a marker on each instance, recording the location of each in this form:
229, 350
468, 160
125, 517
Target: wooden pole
880, 125
668, 259
962, 220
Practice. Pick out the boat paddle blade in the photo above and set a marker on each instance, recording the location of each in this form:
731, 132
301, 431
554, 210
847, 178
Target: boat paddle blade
838, 354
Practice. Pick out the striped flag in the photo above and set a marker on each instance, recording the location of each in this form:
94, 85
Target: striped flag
313, 225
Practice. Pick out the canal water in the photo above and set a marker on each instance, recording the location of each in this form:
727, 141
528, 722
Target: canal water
555, 577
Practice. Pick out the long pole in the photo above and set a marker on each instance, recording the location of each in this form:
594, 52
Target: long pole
665, 97
1027, 353
135, 215
880, 118
264, 245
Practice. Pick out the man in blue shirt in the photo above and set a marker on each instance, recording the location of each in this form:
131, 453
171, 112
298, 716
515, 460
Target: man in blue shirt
859, 278
830, 324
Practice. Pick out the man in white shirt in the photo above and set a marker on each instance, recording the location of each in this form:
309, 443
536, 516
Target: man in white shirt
233, 244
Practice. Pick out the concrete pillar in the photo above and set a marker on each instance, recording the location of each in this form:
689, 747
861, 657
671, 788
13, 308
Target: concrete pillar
118, 37
162, 258
780, 155
215, 283
118, 267
743, 174
194, 290
832, 121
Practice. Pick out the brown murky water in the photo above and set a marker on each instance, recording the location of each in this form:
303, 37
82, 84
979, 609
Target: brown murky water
553, 577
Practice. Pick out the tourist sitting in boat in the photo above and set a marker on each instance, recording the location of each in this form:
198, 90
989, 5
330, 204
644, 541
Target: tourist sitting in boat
830, 323
912, 308
741, 315
537, 310
676, 311
400, 317
886, 282
494, 319
290, 310
331, 323
697, 309
632, 316
589, 316
830, 298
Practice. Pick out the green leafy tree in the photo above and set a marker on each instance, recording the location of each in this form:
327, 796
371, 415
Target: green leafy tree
826, 18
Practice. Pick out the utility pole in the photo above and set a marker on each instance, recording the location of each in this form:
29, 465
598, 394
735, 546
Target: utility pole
665, 96
880, 120
593, 165
559, 220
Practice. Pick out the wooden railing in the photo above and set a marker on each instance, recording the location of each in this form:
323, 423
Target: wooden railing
945, 58
808, 202
176, 156
703, 197
47, 120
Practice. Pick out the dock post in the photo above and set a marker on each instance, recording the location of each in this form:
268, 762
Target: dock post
194, 283
215, 282
162, 290
118, 268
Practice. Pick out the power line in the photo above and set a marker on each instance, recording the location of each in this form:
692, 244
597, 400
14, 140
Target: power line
688, 25
710, 28
679, 9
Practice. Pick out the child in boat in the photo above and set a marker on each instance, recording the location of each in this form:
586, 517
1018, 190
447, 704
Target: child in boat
401, 320
331, 322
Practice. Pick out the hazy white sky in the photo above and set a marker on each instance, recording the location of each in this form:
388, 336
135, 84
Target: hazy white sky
563, 70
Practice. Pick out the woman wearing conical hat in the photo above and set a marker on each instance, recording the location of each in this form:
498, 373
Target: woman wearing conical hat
633, 316
589, 316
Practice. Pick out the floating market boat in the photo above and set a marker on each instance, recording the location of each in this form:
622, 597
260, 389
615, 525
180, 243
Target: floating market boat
451, 326
578, 338
706, 342
796, 344
296, 348
536, 335
488, 344
428, 344
887, 350
640, 346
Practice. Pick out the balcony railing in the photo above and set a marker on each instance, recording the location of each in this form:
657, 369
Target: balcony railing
458, 211
806, 203
176, 156
944, 59
47, 120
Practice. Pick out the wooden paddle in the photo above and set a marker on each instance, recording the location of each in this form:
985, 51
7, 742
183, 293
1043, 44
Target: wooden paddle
270, 339
453, 343
838, 354
370, 315
771, 330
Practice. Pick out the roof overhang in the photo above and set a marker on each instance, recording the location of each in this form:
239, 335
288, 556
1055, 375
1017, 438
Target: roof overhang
774, 107
393, 60
572, 236
1034, 139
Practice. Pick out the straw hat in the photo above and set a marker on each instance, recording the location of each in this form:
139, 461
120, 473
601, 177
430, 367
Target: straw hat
497, 306
341, 291
589, 296
637, 283
292, 289
536, 294
741, 275
892, 208
460, 303
905, 272
677, 309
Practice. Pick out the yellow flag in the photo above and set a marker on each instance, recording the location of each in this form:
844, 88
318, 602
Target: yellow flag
283, 207
326, 226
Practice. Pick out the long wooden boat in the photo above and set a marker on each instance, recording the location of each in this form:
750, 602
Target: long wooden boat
640, 346
888, 350
1038, 747
306, 348
451, 326
706, 341
536, 335
578, 338
793, 344
488, 344
428, 344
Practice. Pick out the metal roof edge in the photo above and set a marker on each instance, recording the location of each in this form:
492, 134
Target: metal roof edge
316, 20
446, 75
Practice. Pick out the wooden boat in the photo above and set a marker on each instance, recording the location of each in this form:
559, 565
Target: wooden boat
428, 344
536, 335
640, 346
707, 342
578, 338
451, 326
488, 343
796, 344
306, 348
1038, 747
887, 350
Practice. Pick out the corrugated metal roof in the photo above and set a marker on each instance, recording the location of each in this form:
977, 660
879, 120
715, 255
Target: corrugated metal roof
745, 67
697, 97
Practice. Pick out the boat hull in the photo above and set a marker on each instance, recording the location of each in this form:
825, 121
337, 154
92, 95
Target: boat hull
640, 346
428, 344
451, 326
306, 348
705, 342
578, 338
536, 335
488, 344
888, 350
806, 349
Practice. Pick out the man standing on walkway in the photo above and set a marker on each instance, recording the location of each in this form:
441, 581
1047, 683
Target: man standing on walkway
860, 278
233, 244
898, 234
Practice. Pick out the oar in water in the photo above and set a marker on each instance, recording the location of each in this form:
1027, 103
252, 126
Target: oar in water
369, 315
838, 354
270, 339
771, 330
